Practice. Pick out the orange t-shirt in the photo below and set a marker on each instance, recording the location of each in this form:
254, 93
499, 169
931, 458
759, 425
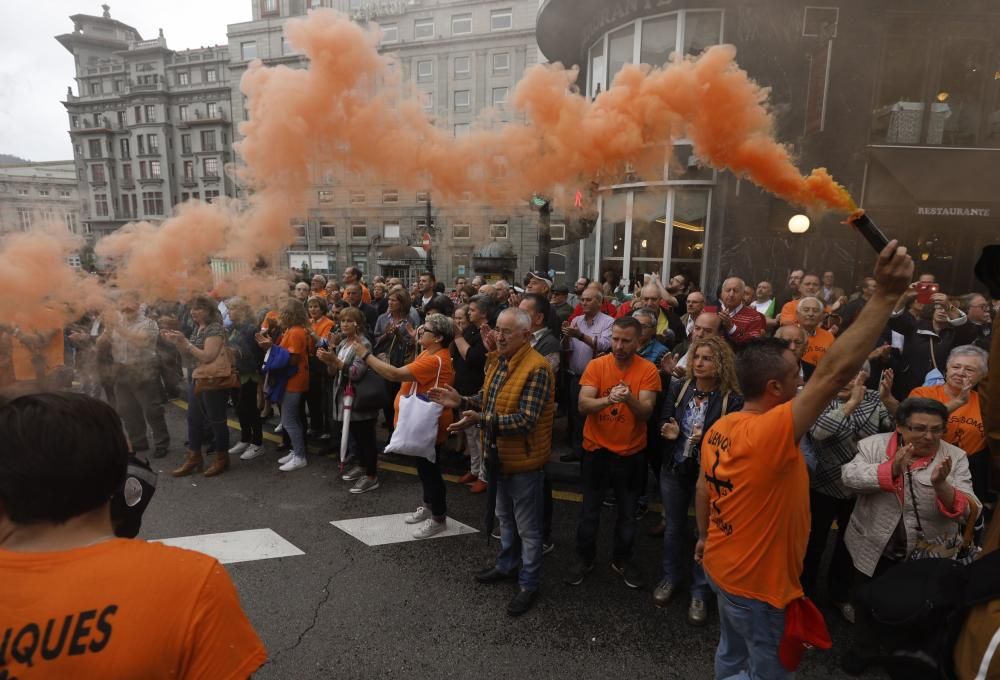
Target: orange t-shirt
321, 326
21, 357
615, 427
816, 346
296, 341
789, 313
319, 293
122, 609
965, 424
758, 490
366, 295
425, 369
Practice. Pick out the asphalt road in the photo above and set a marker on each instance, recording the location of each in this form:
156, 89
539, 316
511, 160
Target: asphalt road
412, 610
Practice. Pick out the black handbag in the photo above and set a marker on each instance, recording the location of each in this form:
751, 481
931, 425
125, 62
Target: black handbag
370, 393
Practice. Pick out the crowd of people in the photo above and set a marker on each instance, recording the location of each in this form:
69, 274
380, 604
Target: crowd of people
777, 410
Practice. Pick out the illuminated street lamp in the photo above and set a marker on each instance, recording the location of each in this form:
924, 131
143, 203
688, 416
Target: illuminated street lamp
798, 224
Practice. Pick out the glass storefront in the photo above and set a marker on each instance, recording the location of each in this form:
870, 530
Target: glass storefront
656, 221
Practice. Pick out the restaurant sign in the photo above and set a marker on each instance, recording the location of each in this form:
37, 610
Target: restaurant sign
954, 212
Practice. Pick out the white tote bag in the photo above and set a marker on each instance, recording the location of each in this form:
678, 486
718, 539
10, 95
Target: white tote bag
417, 425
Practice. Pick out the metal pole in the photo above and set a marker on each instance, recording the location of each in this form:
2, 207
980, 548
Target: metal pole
430, 233
544, 236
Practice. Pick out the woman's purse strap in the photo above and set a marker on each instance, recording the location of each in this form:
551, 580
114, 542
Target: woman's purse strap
930, 341
913, 498
438, 378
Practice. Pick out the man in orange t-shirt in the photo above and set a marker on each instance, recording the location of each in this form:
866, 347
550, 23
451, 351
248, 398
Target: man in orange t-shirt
77, 602
617, 397
809, 314
752, 499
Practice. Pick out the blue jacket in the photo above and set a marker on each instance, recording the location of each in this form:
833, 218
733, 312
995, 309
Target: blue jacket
277, 369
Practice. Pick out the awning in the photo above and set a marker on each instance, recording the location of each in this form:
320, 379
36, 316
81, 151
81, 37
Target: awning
947, 178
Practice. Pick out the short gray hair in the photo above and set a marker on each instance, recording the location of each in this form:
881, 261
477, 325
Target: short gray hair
521, 317
798, 307
646, 313
441, 325
972, 351
596, 290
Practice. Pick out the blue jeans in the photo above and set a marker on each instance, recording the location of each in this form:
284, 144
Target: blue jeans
625, 475
677, 490
291, 421
207, 414
519, 508
749, 634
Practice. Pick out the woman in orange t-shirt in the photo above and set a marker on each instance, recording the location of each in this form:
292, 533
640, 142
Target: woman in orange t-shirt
320, 326
965, 367
431, 367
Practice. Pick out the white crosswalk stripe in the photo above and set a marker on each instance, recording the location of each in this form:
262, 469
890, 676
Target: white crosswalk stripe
386, 529
237, 546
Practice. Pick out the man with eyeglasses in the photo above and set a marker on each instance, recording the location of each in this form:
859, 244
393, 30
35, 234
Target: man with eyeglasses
977, 329
650, 348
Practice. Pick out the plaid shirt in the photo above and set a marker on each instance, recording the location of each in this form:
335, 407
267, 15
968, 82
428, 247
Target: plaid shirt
536, 394
835, 438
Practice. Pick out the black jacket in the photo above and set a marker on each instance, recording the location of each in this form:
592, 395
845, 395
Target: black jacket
470, 371
916, 360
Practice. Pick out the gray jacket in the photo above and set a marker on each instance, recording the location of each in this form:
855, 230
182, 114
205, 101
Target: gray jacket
877, 512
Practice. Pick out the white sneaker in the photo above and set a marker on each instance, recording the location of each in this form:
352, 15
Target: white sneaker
294, 464
421, 514
239, 448
285, 458
353, 474
430, 527
278, 429
252, 452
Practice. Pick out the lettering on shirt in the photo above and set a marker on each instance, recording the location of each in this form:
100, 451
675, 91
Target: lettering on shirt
723, 487
964, 423
611, 414
86, 632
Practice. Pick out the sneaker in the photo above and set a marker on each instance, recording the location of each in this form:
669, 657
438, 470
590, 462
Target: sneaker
574, 576
496, 532
846, 610
353, 474
430, 527
365, 484
239, 448
295, 463
421, 514
278, 429
467, 478
548, 546
285, 458
628, 571
253, 451
697, 613
478, 486
324, 436
662, 593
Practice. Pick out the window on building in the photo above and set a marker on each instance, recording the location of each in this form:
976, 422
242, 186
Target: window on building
95, 148
501, 62
463, 66
499, 97
125, 212
268, 7
127, 173
65, 193
359, 229
122, 119
182, 111
143, 171
325, 196
460, 231
212, 110
95, 88
423, 29
101, 205
211, 195
22, 192
390, 196
124, 147
74, 121
359, 258
423, 196
357, 197
24, 218
154, 169
327, 231
183, 78
150, 112
427, 99
137, 113
557, 231
461, 24
501, 20
390, 229
97, 173
153, 142
463, 99
462, 129
152, 202
141, 142
248, 50
208, 140
658, 40
43, 192
210, 167
185, 143
425, 70
498, 230
70, 220
390, 34
119, 85
211, 75
188, 171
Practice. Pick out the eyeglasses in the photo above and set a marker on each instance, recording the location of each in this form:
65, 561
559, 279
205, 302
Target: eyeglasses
935, 431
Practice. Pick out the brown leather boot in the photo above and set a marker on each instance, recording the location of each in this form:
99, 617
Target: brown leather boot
193, 462
219, 465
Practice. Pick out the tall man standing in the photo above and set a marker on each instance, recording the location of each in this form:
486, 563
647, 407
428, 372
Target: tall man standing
514, 411
617, 397
752, 500
740, 323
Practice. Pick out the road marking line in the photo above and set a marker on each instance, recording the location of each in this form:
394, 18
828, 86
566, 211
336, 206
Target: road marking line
386, 529
237, 546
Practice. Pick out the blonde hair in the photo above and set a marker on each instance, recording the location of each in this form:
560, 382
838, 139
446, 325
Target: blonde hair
725, 362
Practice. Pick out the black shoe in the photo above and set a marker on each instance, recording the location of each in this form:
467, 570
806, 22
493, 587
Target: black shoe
160, 452
574, 576
630, 572
522, 602
494, 575
569, 458
640, 511
609, 502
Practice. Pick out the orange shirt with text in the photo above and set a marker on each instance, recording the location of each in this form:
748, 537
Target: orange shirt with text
758, 491
816, 346
425, 370
615, 427
965, 424
297, 341
122, 609
23, 359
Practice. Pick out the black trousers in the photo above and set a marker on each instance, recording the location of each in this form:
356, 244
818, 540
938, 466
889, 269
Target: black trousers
363, 440
626, 476
245, 399
316, 398
433, 486
824, 509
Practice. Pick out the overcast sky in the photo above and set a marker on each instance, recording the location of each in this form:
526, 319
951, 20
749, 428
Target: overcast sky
35, 69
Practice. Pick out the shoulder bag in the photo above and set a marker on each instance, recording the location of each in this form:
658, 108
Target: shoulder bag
417, 424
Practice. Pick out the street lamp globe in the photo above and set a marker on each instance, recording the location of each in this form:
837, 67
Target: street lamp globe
798, 224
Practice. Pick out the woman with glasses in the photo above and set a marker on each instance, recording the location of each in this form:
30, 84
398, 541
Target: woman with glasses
908, 483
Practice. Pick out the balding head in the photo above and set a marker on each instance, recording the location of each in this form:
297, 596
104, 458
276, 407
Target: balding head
795, 337
649, 298
732, 292
706, 325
